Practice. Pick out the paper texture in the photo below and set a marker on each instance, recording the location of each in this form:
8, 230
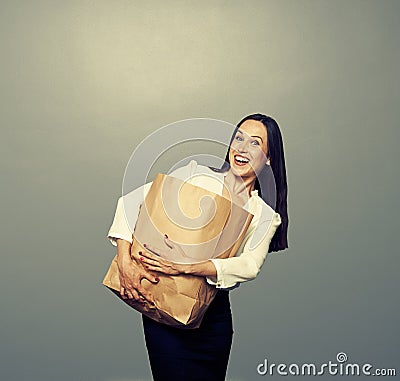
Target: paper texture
204, 224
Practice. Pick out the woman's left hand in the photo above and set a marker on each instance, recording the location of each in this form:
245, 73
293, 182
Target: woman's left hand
156, 262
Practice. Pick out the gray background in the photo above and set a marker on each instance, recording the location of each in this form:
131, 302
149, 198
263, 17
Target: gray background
83, 82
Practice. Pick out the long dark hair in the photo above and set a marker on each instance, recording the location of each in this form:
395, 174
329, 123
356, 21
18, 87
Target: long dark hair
277, 160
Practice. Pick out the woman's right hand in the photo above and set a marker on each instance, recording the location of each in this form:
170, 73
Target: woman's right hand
130, 277
131, 274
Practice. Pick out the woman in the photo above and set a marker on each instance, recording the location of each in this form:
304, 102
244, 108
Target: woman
255, 154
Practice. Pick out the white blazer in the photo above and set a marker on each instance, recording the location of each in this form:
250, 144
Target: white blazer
250, 257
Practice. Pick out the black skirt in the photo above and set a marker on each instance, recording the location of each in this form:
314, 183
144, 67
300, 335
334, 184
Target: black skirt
192, 354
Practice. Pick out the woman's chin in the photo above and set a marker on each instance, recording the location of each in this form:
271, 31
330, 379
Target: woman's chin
242, 171
237, 170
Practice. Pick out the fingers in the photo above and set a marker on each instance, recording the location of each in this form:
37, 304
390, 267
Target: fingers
122, 292
145, 296
130, 284
151, 278
156, 268
139, 295
135, 295
154, 265
151, 263
149, 259
135, 255
128, 293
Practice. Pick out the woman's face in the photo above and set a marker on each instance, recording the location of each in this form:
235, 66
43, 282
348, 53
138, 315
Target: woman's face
248, 151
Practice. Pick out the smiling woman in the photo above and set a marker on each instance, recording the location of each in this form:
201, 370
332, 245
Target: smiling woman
248, 150
255, 155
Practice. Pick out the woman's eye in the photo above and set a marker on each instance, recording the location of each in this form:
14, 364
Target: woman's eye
239, 138
255, 143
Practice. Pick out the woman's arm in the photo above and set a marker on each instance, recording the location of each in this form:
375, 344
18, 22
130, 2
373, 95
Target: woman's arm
247, 265
124, 223
222, 272
120, 234
156, 262
206, 268
131, 271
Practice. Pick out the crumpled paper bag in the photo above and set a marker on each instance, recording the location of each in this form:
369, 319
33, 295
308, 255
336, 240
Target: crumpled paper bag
204, 224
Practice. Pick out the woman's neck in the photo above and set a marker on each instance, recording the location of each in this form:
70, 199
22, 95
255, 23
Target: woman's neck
239, 186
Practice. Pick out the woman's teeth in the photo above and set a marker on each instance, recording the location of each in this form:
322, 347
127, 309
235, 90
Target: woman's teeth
241, 159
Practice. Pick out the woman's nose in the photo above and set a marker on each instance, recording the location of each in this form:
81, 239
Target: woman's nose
242, 147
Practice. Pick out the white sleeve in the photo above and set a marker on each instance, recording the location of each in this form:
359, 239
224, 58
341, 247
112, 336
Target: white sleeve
128, 206
126, 214
247, 265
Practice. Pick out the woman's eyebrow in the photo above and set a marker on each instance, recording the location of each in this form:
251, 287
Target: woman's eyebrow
253, 136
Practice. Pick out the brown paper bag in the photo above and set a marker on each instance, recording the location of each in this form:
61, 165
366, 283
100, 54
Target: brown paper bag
206, 225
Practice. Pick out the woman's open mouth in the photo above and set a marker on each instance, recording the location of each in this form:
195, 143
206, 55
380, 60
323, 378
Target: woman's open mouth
241, 160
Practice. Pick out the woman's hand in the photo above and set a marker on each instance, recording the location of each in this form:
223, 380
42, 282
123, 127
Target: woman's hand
172, 250
155, 262
130, 277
